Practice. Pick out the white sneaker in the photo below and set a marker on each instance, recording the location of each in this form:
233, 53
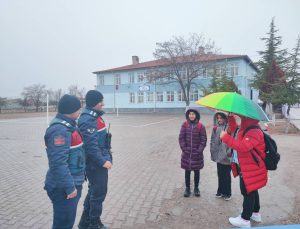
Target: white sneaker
256, 217
239, 222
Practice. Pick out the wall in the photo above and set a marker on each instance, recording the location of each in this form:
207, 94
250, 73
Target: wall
119, 98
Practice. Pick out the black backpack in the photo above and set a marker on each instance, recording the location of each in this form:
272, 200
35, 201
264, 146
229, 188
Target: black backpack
272, 156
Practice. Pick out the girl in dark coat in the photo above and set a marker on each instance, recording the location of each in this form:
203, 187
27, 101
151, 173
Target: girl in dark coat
192, 141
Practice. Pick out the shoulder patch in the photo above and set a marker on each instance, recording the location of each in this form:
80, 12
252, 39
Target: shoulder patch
59, 140
91, 130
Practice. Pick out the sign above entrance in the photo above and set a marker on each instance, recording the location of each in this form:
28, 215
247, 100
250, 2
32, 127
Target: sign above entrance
144, 88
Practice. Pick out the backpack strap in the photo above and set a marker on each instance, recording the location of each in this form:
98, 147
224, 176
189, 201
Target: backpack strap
250, 128
215, 128
199, 125
186, 124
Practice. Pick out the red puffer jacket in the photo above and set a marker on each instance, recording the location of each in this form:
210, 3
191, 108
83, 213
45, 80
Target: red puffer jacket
253, 171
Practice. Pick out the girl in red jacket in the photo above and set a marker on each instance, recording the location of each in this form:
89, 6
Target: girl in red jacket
248, 164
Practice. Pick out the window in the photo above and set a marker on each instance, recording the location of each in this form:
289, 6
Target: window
149, 76
149, 96
117, 79
170, 96
131, 77
183, 75
169, 78
194, 95
210, 72
234, 70
180, 96
140, 77
140, 97
159, 96
161, 79
131, 97
223, 70
101, 80
220, 70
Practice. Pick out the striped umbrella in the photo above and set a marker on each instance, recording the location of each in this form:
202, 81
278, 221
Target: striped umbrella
235, 103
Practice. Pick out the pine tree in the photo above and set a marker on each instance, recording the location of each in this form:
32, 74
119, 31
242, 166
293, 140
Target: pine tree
214, 84
274, 87
271, 59
220, 84
227, 84
293, 77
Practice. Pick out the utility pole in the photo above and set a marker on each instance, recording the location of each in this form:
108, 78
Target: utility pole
47, 109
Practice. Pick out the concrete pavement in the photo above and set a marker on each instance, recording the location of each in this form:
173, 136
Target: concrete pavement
146, 182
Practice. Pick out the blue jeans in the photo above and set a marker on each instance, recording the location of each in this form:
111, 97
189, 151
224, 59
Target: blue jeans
64, 210
98, 178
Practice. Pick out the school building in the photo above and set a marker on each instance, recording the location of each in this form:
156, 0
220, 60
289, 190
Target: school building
127, 88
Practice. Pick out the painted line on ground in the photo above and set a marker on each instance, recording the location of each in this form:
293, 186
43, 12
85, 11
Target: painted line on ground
148, 124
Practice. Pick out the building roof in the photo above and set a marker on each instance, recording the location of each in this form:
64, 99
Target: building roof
160, 63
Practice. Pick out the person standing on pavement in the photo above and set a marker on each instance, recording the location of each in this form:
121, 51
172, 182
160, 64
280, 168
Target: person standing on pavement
66, 162
98, 159
192, 141
248, 155
219, 154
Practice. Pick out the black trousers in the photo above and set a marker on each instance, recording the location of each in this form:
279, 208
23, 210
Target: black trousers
188, 178
224, 179
64, 210
251, 201
97, 190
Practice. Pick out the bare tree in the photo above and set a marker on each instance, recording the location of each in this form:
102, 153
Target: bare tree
23, 102
78, 92
54, 97
35, 94
3, 102
182, 60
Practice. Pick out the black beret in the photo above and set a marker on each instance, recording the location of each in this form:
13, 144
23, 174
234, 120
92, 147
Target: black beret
93, 97
68, 104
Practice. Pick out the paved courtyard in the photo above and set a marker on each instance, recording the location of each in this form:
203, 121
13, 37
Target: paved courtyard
146, 182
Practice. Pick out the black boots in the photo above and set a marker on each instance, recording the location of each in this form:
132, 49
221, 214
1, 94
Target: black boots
96, 223
187, 192
87, 223
196, 192
84, 221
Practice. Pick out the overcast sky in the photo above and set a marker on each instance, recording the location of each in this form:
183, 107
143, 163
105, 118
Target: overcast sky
61, 42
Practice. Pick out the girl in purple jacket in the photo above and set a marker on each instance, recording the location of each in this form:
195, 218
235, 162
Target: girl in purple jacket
192, 141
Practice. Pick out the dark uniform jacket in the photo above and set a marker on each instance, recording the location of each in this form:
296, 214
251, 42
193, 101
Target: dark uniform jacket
65, 153
94, 132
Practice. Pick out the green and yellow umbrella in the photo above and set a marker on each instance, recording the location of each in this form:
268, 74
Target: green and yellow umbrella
235, 103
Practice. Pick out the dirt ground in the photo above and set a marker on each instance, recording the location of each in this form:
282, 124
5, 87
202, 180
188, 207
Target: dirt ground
280, 200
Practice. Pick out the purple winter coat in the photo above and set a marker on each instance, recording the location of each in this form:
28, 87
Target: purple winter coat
192, 141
